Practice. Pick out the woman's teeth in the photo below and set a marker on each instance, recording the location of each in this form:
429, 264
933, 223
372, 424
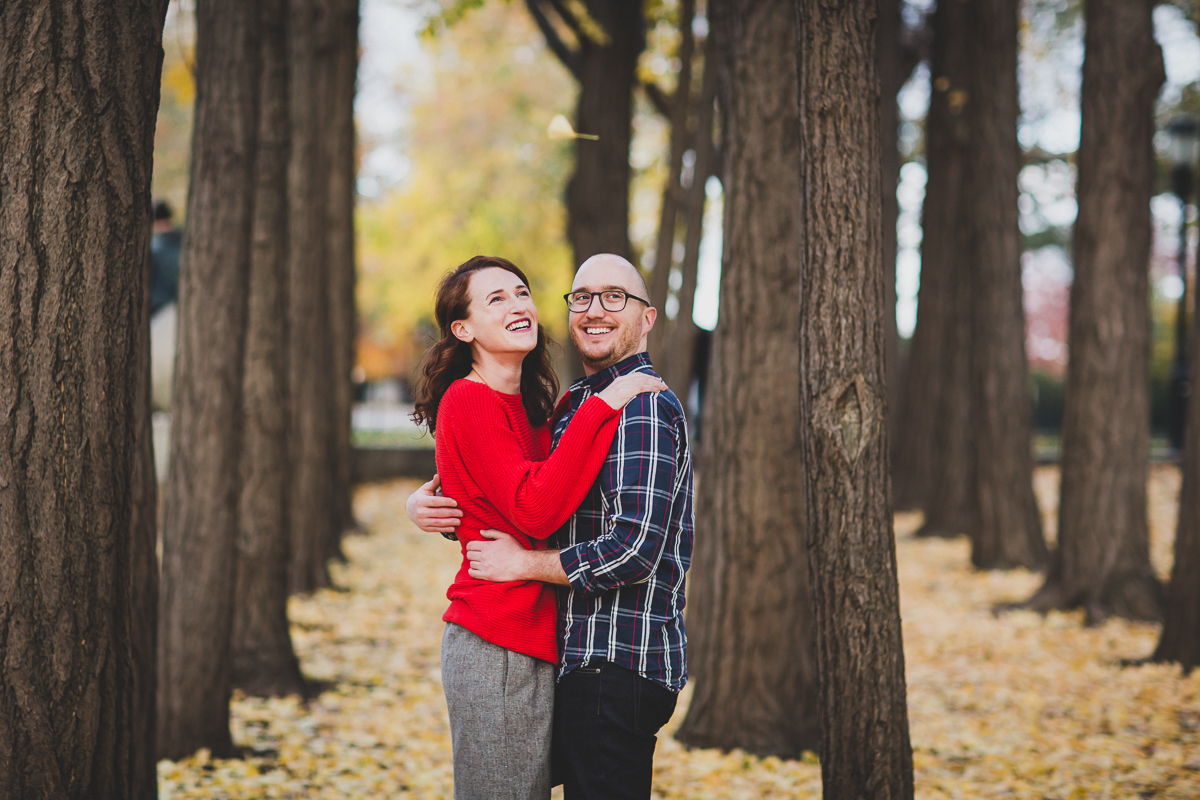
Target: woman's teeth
519, 325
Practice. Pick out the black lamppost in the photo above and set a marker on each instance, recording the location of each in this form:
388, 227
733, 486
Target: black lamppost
1184, 141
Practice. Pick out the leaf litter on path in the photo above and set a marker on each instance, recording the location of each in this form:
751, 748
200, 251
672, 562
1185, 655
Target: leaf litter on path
1009, 706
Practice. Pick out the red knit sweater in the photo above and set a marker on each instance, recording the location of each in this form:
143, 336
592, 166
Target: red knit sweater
501, 472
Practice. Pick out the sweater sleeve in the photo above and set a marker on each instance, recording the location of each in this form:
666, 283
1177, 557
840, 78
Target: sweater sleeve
536, 496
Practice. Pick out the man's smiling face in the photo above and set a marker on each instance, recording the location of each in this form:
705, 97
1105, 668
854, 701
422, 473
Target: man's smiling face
605, 337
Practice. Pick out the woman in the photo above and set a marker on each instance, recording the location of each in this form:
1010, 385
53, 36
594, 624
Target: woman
487, 392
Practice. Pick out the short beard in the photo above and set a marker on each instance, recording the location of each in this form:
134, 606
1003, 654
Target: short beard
621, 349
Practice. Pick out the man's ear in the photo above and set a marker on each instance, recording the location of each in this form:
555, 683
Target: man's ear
459, 329
651, 316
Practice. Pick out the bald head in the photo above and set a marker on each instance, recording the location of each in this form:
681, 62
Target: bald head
611, 270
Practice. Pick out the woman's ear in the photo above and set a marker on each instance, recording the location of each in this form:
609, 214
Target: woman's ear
459, 329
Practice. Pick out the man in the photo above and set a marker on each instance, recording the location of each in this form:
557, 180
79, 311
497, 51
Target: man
622, 556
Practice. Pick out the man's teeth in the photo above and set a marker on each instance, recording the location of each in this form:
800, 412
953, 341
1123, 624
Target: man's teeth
519, 325
597, 331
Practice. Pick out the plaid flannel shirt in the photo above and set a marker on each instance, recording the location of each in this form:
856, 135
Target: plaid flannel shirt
627, 547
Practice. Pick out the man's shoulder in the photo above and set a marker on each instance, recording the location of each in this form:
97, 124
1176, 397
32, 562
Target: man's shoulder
660, 407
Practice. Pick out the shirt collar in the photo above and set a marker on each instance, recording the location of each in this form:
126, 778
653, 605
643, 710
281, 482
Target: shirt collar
598, 381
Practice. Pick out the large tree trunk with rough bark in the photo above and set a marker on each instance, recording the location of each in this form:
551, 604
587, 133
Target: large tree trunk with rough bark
310, 349
1103, 558
343, 317
750, 622
264, 662
865, 748
930, 458
1005, 527
200, 531
77, 116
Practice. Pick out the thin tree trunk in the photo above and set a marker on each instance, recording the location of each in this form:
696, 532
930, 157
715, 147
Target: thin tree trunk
76, 146
1103, 558
200, 532
264, 662
343, 318
679, 352
865, 748
750, 620
143, 571
310, 351
672, 196
930, 459
1005, 527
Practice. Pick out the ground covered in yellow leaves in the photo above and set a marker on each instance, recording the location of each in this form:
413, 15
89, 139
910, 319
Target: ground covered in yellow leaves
1015, 706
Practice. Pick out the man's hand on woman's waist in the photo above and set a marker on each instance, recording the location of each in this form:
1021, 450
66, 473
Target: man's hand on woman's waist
430, 511
499, 557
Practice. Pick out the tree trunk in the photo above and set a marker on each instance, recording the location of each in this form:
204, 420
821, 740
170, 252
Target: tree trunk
598, 192
750, 621
891, 79
264, 662
1103, 558
679, 352
865, 748
343, 318
1005, 528
200, 532
77, 116
673, 191
930, 459
143, 571
310, 352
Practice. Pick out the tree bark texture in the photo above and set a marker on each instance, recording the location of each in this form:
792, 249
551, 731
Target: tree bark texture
264, 662
1005, 527
143, 570
200, 531
343, 317
865, 748
77, 115
750, 619
891, 80
310, 352
1103, 558
930, 462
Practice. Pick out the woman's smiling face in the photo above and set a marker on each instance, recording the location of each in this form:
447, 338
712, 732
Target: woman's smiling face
502, 317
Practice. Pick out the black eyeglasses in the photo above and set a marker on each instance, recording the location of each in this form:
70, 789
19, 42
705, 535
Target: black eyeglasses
611, 300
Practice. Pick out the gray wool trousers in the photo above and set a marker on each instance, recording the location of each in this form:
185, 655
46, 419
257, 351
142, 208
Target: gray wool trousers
501, 707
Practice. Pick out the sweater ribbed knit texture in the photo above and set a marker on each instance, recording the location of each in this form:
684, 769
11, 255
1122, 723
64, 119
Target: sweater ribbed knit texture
500, 471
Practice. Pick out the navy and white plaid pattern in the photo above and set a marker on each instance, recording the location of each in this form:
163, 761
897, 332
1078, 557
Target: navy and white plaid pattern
627, 547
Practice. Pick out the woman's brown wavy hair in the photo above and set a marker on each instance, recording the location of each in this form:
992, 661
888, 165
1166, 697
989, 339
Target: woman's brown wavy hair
450, 359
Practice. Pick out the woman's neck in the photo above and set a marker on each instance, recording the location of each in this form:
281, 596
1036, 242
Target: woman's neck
499, 372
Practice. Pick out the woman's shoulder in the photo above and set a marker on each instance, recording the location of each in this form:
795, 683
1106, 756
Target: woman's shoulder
470, 397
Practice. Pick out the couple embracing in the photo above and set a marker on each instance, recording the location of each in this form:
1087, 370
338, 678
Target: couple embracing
564, 649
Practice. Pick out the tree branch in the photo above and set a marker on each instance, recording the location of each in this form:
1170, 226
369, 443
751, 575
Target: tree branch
568, 57
657, 97
568, 18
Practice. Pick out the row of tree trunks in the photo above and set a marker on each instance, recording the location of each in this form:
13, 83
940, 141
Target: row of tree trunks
264, 662
77, 116
929, 466
310, 354
750, 619
199, 534
1005, 525
1103, 558
865, 748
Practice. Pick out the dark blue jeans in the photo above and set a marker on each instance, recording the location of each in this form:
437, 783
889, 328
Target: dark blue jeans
605, 721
